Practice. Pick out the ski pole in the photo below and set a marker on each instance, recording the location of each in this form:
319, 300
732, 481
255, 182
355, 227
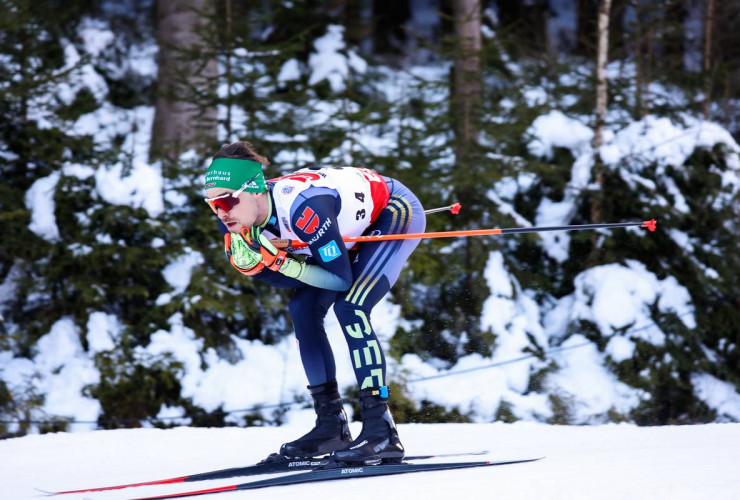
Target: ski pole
649, 225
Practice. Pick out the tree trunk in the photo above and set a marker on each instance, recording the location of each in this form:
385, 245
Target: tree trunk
465, 102
466, 93
601, 62
180, 123
707, 63
227, 69
349, 13
618, 42
585, 26
390, 16
647, 69
601, 101
639, 111
467, 85
527, 22
674, 37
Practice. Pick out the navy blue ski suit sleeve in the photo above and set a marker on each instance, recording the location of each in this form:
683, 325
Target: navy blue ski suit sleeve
314, 220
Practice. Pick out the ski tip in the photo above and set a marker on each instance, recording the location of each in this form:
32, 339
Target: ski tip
46, 493
173, 480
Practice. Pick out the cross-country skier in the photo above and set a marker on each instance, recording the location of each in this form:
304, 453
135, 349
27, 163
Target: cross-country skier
319, 206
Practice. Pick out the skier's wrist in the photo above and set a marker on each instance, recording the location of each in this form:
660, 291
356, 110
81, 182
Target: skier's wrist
292, 268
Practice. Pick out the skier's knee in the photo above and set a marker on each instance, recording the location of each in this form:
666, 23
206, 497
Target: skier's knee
355, 320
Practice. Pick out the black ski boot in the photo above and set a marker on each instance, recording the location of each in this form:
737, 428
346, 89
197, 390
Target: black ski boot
331, 431
378, 442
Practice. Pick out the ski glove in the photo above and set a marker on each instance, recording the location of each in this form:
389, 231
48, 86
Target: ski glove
242, 257
273, 258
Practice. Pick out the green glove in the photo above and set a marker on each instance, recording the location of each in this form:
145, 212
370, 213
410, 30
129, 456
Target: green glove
242, 257
273, 258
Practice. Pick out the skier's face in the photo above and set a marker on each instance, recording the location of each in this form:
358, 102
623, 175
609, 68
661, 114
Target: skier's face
250, 209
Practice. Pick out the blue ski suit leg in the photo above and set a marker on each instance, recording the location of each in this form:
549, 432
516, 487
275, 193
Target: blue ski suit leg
308, 308
375, 269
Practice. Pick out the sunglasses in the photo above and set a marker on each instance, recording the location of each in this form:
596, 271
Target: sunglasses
226, 201
229, 200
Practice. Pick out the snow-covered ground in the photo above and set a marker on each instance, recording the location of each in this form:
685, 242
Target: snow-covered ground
589, 462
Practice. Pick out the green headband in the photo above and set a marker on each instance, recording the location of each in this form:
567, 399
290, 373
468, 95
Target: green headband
234, 173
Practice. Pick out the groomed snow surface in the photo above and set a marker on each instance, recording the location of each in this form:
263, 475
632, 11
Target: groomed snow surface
582, 462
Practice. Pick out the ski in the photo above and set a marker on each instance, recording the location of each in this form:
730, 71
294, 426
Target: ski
271, 465
336, 471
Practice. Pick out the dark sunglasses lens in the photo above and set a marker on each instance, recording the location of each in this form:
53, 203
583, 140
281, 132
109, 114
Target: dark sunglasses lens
224, 204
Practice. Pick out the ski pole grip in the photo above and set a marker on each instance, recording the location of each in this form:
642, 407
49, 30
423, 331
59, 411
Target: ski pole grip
281, 243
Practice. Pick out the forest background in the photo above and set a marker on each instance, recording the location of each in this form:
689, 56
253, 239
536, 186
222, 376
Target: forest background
119, 308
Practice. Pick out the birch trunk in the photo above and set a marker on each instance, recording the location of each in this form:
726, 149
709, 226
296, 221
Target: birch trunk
601, 102
601, 62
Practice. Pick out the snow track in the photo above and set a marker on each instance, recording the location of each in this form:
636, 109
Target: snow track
593, 462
